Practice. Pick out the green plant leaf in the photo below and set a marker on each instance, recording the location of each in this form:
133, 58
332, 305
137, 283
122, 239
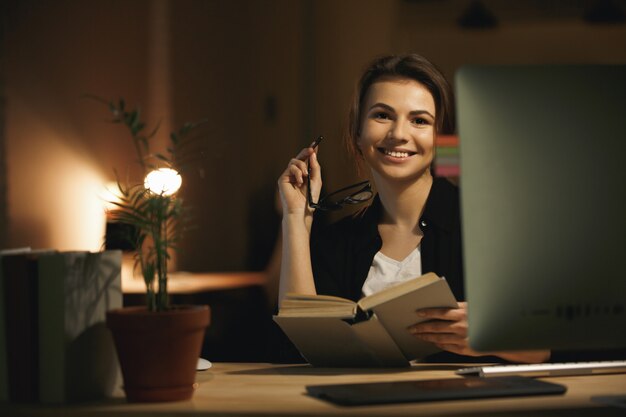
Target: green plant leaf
155, 130
137, 127
160, 220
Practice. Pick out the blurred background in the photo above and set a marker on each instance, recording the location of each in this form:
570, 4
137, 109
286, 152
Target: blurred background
269, 75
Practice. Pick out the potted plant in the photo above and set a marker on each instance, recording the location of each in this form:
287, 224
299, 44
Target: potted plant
158, 344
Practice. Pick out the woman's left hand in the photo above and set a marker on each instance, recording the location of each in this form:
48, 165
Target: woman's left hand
447, 329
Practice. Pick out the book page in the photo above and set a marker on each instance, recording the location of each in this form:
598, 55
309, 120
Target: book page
366, 303
328, 311
317, 298
399, 313
311, 305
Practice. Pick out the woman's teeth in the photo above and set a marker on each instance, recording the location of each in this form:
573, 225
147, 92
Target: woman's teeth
396, 154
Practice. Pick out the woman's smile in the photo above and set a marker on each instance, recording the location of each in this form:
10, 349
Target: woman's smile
396, 155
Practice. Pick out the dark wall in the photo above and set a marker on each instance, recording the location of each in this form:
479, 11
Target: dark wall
268, 74
3, 170
239, 64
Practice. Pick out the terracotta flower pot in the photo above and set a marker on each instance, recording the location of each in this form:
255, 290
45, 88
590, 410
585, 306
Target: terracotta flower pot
158, 352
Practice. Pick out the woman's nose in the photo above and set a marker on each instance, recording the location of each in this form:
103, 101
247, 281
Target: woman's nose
398, 131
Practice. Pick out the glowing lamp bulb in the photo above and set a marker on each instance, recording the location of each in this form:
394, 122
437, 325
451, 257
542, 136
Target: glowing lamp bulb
165, 181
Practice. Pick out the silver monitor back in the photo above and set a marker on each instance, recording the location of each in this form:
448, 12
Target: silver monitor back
543, 197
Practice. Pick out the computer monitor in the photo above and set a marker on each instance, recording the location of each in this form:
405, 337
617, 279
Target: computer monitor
543, 198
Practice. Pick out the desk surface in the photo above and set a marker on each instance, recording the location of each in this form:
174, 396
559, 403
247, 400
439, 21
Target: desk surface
190, 283
237, 389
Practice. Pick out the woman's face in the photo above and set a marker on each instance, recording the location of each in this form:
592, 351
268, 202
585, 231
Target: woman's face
398, 129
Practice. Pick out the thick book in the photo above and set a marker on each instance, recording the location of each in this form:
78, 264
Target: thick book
54, 346
21, 324
77, 359
4, 383
373, 332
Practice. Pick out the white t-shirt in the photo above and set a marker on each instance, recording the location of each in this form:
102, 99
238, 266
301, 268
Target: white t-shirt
386, 272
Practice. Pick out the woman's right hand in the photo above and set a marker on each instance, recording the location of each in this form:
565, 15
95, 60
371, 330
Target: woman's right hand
296, 273
292, 183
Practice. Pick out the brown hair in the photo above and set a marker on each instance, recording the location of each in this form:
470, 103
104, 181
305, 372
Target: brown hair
410, 66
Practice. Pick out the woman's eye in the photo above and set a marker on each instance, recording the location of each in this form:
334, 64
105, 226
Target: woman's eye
420, 121
381, 115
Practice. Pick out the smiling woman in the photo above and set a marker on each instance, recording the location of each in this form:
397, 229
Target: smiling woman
401, 104
397, 136
412, 225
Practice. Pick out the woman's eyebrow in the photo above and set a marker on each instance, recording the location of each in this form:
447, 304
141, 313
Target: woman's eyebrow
391, 109
419, 112
383, 105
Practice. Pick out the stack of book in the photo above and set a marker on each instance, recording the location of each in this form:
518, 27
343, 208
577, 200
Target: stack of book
54, 345
447, 156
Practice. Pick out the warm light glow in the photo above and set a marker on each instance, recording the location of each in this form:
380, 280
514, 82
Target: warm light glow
57, 204
164, 181
110, 194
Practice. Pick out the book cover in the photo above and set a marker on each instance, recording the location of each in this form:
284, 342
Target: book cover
4, 384
77, 359
21, 314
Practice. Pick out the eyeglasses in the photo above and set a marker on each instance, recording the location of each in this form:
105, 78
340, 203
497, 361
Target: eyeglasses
352, 194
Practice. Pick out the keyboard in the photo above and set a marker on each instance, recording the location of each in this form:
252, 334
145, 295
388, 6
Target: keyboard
546, 369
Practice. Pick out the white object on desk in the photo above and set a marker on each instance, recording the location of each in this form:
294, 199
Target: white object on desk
203, 364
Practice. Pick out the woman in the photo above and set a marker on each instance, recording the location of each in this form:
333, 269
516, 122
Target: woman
411, 227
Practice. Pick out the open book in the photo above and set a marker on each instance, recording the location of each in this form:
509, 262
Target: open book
337, 332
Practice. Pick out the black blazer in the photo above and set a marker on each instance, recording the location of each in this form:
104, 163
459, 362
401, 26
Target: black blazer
343, 252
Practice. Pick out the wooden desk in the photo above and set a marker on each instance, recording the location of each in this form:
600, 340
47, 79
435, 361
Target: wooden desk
193, 282
278, 390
